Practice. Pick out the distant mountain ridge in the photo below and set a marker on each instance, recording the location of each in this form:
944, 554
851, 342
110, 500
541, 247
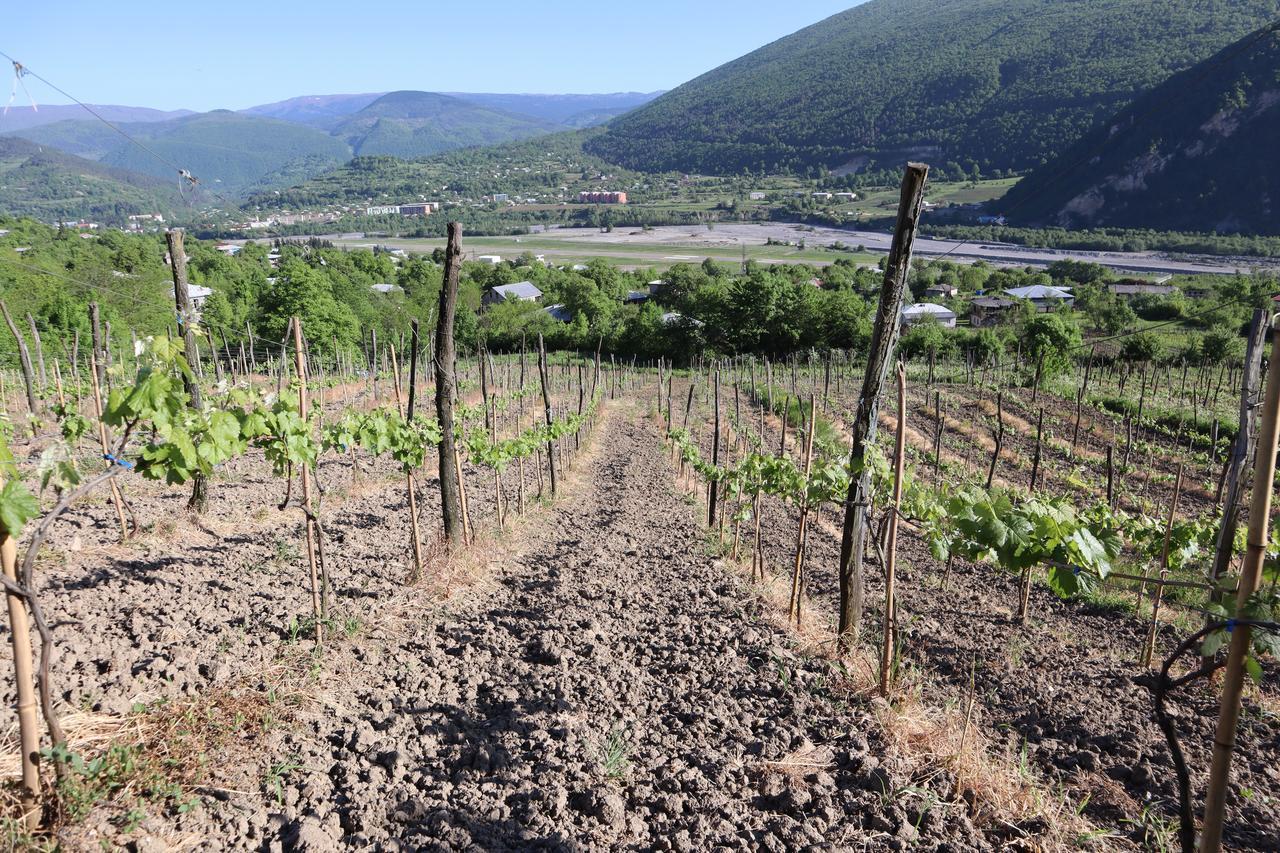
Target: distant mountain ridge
1189, 155
999, 84
322, 111
566, 110
22, 117
290, 141
411, 124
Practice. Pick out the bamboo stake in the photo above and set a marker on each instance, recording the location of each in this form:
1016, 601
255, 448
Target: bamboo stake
28, 726
317, 598
793, 611
891, 550
1224, 741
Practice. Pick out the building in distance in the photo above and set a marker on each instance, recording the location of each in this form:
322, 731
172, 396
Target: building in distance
596, 197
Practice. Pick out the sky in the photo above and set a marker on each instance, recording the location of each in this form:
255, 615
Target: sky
235, 54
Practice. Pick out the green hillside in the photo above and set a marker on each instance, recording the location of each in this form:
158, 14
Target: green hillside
49, 185
228, 151
419, 124
531, 167
1183, 157
1003, 84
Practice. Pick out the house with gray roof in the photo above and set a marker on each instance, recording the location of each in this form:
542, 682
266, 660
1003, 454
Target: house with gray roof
525, 291
924, 312
1044, 297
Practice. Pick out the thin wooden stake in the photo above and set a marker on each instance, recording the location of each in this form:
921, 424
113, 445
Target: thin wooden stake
891, 547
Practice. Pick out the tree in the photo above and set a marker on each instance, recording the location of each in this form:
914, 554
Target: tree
1048, 340
926, 339
1141, 348
303, 291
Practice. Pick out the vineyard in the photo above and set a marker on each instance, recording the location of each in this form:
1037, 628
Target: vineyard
402, 596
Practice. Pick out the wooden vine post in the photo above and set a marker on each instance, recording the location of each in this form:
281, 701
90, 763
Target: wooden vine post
1035, 458
715, 454
24, 357
995, 454
546, 403
1235, 473
104, 438
446, 392
186, 317
28, 725
891, 548
883, 343
1224, 741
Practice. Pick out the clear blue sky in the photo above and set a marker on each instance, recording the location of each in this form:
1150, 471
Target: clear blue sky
236, 54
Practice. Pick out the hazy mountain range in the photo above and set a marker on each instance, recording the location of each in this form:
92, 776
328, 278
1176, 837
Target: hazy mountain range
286, 142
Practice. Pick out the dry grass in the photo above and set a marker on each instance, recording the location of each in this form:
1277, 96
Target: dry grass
802, 762
161, 757
999, 789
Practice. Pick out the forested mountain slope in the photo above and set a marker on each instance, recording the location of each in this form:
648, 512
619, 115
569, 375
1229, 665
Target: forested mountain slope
230, 152
1193, 154
1003, 84
50, 185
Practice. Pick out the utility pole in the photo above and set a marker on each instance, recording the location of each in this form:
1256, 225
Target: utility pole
883, 343
186, 317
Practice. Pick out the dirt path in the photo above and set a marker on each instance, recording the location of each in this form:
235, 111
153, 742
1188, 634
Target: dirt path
610, 688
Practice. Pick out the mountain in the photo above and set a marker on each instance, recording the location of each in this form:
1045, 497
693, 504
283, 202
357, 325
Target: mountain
1003, 84
322, 111
570, 110
227, 151
50, 185
1184, 157
23, 117
418, 124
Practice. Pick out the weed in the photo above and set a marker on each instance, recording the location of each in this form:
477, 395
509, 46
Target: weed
284, 552
1159, 834
783, 671
616, 753
276, 774
124, 769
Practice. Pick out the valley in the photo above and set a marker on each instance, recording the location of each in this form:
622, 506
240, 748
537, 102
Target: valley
779, 243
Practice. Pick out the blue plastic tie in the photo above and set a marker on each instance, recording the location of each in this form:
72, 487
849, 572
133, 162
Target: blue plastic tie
1231, 624
123, 463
